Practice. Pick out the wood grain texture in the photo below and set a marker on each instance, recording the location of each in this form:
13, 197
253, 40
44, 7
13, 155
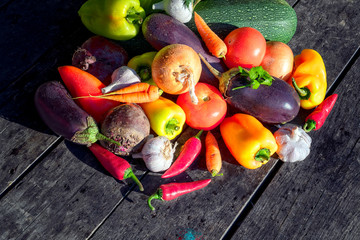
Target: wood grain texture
329, 27
64, 193
23, 133
64, 197
207, 212
319, 197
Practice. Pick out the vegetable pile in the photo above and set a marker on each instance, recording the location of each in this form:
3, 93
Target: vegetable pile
237, 86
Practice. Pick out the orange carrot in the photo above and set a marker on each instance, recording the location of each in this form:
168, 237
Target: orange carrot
137, 97
133, 88
213, 156
136, 93
213, 42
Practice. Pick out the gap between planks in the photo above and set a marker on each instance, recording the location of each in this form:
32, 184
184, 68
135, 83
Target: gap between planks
268, 178
133, 186
36, 161
343, 72
249, 204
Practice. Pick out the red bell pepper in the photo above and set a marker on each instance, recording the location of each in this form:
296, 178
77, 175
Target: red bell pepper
188, 154
316, 119
81, 83
170, 191
118, 167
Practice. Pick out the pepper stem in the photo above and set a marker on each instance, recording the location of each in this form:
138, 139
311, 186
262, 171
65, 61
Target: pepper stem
198, 134
304, 93
172, 126
263, 155
134, 17
309, 125
157, 195
130, 174
144, 72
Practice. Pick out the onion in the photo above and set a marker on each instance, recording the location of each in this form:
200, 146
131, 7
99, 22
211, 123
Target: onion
157, 153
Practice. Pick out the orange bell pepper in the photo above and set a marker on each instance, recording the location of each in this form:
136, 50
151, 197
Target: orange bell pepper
250, 143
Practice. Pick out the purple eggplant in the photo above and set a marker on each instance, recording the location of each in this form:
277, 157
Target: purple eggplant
64, 117
277, 103
161, 30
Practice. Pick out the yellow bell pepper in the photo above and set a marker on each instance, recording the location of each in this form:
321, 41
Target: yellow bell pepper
166, 117
309, 78
250, 143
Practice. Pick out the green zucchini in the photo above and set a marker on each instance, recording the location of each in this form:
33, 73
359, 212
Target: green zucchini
275, 19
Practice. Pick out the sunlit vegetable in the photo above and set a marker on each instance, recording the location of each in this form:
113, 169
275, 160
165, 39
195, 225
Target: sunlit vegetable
179, 9
157, 153
176, 69
293, 143
120, 78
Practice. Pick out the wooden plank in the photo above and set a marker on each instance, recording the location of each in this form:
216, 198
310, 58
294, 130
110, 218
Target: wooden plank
329, 27
23, 134
37, 41
207, 212
76, 216
177, 216
64, 197
319, 197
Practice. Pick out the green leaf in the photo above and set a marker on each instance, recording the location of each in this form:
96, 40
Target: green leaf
255, 76
255, 85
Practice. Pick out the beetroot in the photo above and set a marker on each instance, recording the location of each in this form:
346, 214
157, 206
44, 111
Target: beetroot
100, 57
126, 124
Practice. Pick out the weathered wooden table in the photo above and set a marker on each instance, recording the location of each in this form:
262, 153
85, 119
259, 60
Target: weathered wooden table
54, 189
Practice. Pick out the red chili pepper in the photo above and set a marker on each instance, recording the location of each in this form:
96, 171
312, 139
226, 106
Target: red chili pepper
316, 119
118, 167
188, 154
170, 191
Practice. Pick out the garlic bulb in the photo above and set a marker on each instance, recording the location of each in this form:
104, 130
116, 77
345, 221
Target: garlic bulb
293, 143
179, 9
157, 153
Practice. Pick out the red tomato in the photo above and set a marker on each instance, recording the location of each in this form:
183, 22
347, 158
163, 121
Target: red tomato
210, 110
245, 47
278, 60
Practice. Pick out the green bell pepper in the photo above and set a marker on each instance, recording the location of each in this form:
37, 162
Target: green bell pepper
142, 66
114, 19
